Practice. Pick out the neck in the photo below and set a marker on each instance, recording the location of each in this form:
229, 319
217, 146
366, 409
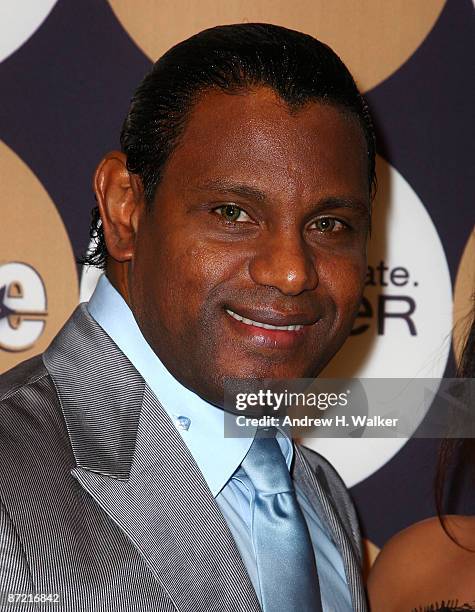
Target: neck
118, 275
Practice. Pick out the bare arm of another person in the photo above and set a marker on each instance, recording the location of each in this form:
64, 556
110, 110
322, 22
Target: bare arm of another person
421, 566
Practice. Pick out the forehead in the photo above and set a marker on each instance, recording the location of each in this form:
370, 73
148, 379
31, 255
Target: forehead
253, 137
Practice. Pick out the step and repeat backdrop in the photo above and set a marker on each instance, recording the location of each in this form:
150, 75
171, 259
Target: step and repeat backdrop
67, 71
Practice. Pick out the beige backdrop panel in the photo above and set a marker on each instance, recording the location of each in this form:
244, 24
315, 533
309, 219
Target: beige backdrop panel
373, 37
33, 235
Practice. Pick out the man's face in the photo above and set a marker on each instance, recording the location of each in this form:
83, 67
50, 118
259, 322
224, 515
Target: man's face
260, 219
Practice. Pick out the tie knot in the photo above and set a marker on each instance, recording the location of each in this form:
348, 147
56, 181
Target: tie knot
266, 467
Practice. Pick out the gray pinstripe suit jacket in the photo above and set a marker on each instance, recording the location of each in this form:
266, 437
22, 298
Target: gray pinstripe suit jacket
102, 503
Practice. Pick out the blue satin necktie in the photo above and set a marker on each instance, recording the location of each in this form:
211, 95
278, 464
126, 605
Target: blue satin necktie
285, 559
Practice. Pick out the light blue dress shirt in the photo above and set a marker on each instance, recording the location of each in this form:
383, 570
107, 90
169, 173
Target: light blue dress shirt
201, 426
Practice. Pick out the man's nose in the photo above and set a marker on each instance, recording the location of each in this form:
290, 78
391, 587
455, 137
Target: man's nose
286, 263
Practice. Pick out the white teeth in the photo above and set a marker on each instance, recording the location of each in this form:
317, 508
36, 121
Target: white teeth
264, 325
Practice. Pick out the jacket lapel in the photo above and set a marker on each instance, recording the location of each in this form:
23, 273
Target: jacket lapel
316, 489
135, 465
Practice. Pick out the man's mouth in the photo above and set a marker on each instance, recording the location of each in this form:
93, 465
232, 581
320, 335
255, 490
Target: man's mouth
247, 321
271, 329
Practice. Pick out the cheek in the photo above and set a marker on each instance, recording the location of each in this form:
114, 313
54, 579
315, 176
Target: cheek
343, 278
189, 272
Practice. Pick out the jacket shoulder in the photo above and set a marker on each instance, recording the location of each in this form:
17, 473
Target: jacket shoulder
28, 401
22, 375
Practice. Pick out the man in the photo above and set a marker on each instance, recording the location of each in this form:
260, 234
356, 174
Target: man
233, 233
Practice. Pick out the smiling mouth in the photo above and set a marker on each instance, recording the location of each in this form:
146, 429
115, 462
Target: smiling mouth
246, 321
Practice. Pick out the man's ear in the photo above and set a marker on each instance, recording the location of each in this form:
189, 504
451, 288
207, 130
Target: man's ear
120, 199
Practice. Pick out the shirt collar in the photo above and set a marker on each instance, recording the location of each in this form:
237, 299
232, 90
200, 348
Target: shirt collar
217, 457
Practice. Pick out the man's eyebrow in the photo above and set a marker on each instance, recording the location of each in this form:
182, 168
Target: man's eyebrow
247, 191
240, 189
343, 202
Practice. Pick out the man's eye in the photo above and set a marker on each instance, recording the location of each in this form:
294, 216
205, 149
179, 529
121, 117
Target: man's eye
328, 224
232, 213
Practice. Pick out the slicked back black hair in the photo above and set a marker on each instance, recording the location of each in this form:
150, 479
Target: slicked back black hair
233, 59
